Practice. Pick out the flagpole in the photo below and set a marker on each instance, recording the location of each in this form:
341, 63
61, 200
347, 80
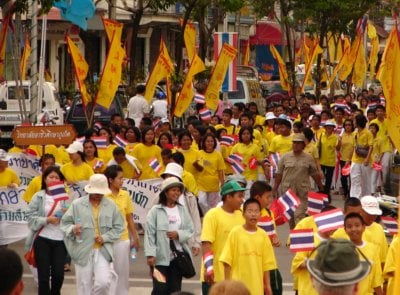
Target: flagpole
41, 63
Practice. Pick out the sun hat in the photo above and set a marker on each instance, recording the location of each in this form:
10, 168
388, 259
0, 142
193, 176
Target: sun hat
338, 264
164, 120
171, 182
231, 187
238, 178
4, 156
270, 116
371, 205
330, 123
173, 169
75, 147
298, 137
98, 184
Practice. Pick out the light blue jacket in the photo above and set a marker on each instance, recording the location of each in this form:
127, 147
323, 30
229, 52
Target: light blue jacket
111, 225
156, 242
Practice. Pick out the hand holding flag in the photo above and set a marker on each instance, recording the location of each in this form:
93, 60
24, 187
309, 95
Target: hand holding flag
301, 240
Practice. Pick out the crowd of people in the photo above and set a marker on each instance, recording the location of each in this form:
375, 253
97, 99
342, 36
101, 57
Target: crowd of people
219, 176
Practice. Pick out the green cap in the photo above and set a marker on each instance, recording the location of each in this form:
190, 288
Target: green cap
231, 187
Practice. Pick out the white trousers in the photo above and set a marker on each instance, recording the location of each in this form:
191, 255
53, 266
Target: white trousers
208, 200
95, 277
360, 176
386, 164
121, 267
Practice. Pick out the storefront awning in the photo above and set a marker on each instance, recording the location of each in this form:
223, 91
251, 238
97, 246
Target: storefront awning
266, 34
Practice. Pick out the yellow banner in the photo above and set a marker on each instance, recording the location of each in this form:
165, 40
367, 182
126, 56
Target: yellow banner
163, 68
334, 47
317, 50
25, 57
360, 67
246, 55
190, 39
111, 76
373, 57
350, 59
227, 54
338, 66
187, 93
81, 69
112, 28
283, 76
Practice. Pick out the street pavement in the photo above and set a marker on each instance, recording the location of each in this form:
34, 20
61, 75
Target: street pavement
140, 280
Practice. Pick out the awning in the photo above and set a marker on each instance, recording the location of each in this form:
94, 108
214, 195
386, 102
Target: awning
266, 34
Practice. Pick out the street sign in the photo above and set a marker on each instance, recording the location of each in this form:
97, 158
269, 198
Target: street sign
43, 135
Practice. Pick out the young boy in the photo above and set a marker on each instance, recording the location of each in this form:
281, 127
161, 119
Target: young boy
376, 157
354, 226
248, 255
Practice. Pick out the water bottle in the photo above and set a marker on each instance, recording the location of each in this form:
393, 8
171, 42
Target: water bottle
78, 238
133, 254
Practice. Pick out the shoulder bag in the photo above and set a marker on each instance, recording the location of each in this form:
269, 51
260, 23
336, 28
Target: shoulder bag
182, 261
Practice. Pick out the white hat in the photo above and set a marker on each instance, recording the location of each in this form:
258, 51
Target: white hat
164, 120
4, 156
75, 147
98, 184
173, 169
171, 182
270, 116
370, 205
330, 123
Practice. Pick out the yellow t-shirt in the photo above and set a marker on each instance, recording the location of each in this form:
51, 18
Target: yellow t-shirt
317, 133
390, 265
96, 225
257, 136
190, 155
383, 134
260, 120
7, 177
281, 144
62, 157
129, 148
328, 149
208, 179
49, 149
75, 174
229, 130
269, 134
106, 154
190, 182
363, 138
144, 154
311, 149
128, 170
125, 206
377, 149
225, 152
15, 149
248, 151
347, 146
217, 225
249, 254
92, 163
374, 278
34, 186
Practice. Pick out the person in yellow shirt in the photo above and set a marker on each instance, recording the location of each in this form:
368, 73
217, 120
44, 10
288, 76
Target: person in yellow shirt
145, 151
390, 265
217, 224
248, 255
316, 127
35, 185
106, 153
48, 149
187, 178
190, 153
372, 284
8, 178
246, 120
91, 156
62, 156
257, 118
225, 151
282, 143
130, 166
360, 171
129, 237
269, 132
226, 122
376, 158
76, 170
132, 135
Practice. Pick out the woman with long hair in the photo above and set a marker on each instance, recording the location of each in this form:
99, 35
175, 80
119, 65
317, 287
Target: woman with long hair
106, 153
91, 156
132, 136
189, 151
76, 170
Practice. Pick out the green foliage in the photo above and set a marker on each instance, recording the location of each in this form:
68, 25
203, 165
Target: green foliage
263, 7
21, 6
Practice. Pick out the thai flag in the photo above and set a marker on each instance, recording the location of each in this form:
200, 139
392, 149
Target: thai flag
382, 100
155, 165
391, 224
98, 164
289, 202
97, 126
119, 141
208, 260
100, 141
199, 98
329, 220
205, 114
57, 191
235, 158
227, 140
371, 105
81, 139
156, 123
274, 160
229, 83
343, 106
377, 166
267, 224
362, 25
315, 203
237, 167
301, 240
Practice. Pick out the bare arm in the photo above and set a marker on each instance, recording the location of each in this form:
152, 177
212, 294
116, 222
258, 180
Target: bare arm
227, 271
132, 231
205, 248
267, 283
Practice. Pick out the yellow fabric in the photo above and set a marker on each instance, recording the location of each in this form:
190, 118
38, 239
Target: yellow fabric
93, 162
383, 134
125, 206
129, 148
106, 154
247, 152
264, 213
225, 152
374, 278
74, 173
230, 130
191, 155
260, 120
8, 176
328, 150
217, 225
269, 135
390, 265
96, 225
375, 235
281, 144
364, 138
190, 182
307, 223
376, 150
208, 179
249, 254
311, 149
144, 154
34, 186
48, 149
62, 157
128, 170
15, 149
283, 75
317, 133
347, 147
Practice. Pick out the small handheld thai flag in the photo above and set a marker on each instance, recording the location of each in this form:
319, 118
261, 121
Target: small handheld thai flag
156, 123
382, 100
98, 164
267, 224
235, 158
97, 126
289, 201
315, 203
208, 260
100, 141
227, 140
57, 191
377, 166
205, 114
253, 163
237, 167
391, 224
329, 220
155, 165
199, 98
119, 141
346, 170
301, 240
343, 106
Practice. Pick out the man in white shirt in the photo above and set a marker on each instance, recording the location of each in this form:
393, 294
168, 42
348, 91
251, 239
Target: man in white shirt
160, 106
138, 106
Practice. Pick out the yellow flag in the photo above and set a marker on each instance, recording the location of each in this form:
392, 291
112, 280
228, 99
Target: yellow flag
339, 66
373, 57
360, 66
190, 39
227, 54
350, 59
25, 57
283, 76
163, 68
112, 28
81, 69
246, 56
111, 76
371, 31
187, 93
317, 50
334, 47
